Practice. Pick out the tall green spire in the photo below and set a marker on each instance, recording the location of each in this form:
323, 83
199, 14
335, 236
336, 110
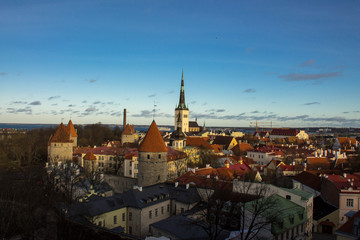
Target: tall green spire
182, 94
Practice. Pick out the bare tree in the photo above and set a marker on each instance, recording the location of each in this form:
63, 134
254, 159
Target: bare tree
244, 211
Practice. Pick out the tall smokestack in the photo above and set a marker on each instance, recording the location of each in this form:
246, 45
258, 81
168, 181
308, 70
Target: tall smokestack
124, 122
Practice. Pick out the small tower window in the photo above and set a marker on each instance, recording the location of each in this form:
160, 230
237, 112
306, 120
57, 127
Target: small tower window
159, 156
148, 156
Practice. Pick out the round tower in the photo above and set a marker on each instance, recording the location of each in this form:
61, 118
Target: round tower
152, 158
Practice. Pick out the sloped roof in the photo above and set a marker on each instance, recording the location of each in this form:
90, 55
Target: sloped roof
89, 156
197, 142
318, 161
70, 128
61, 135
348, 227
243, 147
128, 130
153, 142
193, 124
346, 140
174, 154
309, 180
223, 140
284, 132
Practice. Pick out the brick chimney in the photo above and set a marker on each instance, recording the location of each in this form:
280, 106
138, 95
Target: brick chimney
124, 121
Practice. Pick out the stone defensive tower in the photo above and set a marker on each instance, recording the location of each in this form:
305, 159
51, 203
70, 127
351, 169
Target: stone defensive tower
152, 158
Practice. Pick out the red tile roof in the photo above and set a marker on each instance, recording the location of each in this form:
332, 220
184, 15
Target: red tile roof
198, 142
153, 142
70, 128
89, 156
284, 132
316, 161
61, 135
173, 154
343, 182
242, 147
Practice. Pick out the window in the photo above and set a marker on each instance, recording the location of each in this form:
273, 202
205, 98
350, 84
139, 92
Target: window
302, 228
130, 216
301, 216
130, 172
159, 156
123, 216
156, 212
162, 210
130, 230
115, 219
182, 210
148, 156
350, 202
168, 208
150, 214
288, 197
100, 224
130, 163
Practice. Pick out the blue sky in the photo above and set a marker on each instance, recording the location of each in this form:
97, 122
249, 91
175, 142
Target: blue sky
295, 63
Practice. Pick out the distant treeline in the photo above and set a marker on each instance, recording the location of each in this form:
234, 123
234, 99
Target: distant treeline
31, 148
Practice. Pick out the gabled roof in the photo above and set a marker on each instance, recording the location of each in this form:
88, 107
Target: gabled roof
284, 132
242, 147
70, 128
223, 140
128, 130
89, 156
193, 124
153, 142
61, 135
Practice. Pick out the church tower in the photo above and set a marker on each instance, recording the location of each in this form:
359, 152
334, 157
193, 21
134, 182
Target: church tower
152, 158
182, 112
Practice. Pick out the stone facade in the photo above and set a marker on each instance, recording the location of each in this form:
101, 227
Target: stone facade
60, 152
152, 168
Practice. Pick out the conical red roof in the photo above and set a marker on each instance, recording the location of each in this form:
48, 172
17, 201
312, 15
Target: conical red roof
153, 142
70, 128
61, 135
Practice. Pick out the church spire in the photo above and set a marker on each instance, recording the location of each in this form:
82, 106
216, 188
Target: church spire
182, 93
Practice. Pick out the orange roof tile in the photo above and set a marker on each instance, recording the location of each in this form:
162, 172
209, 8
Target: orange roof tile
89, 156
70, 128
61, 135
197, 142
153, 142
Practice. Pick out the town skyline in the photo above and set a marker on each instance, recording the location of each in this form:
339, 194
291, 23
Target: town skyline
290, 63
